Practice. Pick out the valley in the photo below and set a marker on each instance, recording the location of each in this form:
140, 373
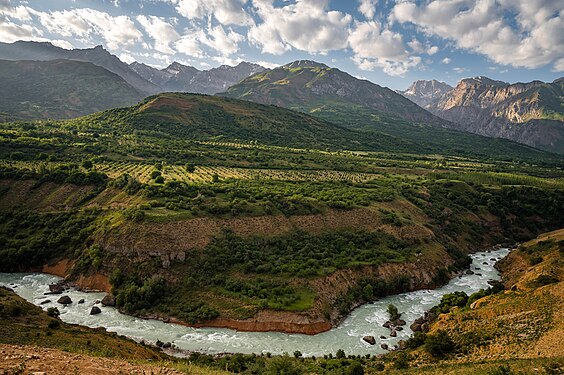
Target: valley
209, 214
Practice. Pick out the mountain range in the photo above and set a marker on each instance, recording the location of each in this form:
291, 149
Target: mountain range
531, 113
183, 78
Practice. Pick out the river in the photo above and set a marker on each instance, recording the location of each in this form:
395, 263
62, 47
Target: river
365, 320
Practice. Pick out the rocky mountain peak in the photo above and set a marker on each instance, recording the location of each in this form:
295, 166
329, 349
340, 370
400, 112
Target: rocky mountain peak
424, 92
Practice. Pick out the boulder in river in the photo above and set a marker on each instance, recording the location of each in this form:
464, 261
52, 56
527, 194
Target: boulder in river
95, 310
383, 337
388, 324
469, 272
56, 288
400, 328
415, 327
370, 339
167, 345
81, 300
384, 346
399, 322
109, 300
393, 334
45, 302
64, 300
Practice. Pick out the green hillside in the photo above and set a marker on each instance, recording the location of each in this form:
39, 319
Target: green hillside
59, 89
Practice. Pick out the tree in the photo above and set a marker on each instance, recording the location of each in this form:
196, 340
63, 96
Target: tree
155, 174
368, 292
393, 312
297, 354
190, 168
87, 164
340, 354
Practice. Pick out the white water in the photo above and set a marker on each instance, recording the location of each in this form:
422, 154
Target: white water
366, 320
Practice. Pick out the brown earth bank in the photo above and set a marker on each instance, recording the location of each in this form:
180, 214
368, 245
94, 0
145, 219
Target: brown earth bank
91, 282
28, 359
174, 242
525, 321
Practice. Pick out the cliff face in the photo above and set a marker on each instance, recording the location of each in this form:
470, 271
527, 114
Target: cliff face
530, 113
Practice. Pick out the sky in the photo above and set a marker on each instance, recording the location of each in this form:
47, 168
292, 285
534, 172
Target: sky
389, 42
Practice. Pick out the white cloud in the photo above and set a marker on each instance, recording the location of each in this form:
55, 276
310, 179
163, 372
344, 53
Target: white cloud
11, 32
367, 8
432, 50
558, 65
446, 60
523, 33
162, 32
127, 58
223, 43
305, 25
61, 43
416, 46
267, 65
227, 12
84, 23
189, 45
227, 61
374, 46
460, 70
20, 13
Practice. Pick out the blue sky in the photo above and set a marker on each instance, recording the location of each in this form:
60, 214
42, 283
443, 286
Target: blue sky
391, 43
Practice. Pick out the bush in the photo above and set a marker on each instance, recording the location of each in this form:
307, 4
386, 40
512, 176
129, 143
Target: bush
340, 354
543, 280
402, 361
416, 340
53, 324
53, 312
439, 344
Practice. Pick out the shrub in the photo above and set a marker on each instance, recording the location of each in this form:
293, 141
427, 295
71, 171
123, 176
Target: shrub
53, 324
439, 344
543, 280
402, 361
416, 340
53, 312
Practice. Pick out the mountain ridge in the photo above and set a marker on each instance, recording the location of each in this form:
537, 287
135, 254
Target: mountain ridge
184, 78
60, 89
527, 112
45, 51
304, 85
